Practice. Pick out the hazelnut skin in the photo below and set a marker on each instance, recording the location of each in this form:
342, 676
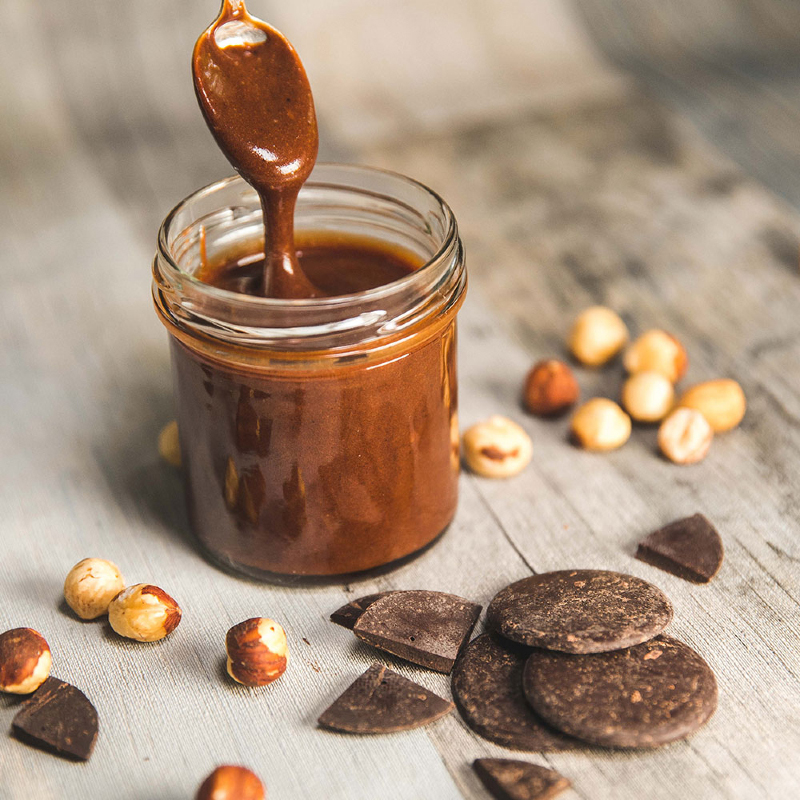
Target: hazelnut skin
721, 402
144, 612
600, 425
231, 783
597, 335
169, 446
25, 660
685, 436
648, 396
550, 388
657, 351
497, 448
257, 651
91, 585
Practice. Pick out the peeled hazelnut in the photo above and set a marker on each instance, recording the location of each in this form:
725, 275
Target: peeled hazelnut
257, 651
597, 335
25, 660
657, 351
231, 783
600, 425
169, 446
91, 585
721, 402
143, 612
550, 388
497, 448
648, 396
685, 436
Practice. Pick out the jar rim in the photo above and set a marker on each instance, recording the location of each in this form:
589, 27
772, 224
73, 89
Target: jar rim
381, 202
337, 301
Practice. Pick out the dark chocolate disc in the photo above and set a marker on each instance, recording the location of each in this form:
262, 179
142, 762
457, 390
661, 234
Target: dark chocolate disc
58, 718
648, 695
381, 701
347, 615
487, 688
689, 548
507, 779
580, 611
426, 628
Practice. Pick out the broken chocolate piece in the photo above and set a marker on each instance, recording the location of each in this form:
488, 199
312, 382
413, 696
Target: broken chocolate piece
487, 688
580, 611
58, 718
425, 628
347, 615
689, 548
645, 696
507, 779
381, 701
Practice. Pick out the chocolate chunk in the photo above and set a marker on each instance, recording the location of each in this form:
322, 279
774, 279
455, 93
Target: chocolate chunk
58, 718
689, 548
645, 696
580, 611
507, 779
381, 701
426, 628
487, 688
347, 615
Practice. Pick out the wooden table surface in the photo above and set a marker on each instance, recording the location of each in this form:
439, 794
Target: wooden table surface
616, 200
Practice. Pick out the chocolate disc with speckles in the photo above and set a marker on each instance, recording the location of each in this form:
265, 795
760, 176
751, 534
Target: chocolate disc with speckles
487, 688
645, 696
580, 611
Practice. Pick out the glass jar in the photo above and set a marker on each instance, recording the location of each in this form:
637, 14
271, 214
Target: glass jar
318, 437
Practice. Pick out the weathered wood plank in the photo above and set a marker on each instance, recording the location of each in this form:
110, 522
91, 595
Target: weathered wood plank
613, 203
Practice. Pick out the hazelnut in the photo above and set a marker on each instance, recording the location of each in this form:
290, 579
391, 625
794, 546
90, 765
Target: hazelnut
143, 612
648, 396
257, 651
657, 351
169, 446
497, 448
91, 585
721, 402
25, 660
550, 388
231, 783
600, 425
597, 335
685, 436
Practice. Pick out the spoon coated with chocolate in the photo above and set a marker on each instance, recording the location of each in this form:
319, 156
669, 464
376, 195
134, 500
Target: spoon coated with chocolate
256, 99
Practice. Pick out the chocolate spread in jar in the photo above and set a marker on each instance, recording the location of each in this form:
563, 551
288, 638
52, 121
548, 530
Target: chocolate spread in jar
329, 465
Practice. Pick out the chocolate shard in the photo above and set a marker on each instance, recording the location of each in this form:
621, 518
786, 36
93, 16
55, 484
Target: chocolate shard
507, 779
58, 718
347, 615
487, 688
381, 701
690, 548
425, 628
580, 611
644, 696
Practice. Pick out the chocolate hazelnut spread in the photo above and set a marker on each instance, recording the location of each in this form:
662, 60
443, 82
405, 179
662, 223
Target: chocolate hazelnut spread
303, 458
257, 101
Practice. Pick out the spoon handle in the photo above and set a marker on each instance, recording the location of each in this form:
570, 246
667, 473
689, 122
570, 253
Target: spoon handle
233, 8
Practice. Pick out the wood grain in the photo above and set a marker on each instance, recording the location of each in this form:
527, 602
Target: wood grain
617, 201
